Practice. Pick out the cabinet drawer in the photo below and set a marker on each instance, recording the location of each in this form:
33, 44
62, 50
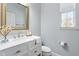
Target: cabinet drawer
16, 50
25, 54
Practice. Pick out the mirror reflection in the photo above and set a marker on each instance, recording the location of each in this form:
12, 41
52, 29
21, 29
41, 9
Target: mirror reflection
16, 16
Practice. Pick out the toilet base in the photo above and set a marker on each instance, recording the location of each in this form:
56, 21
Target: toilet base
46, 54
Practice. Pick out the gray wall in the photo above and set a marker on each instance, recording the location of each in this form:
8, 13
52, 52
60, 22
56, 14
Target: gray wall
45, 19
35, 18
52, 35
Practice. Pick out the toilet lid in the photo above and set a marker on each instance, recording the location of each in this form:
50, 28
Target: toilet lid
46, 49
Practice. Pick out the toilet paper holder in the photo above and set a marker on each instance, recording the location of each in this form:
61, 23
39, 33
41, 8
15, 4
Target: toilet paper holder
63, 44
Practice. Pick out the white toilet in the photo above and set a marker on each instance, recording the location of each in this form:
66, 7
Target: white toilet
46, 51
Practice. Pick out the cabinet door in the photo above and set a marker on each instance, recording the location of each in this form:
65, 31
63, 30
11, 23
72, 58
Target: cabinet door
34, 48
19, 50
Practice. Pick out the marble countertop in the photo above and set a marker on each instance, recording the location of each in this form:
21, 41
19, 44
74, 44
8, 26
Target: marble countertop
17, 41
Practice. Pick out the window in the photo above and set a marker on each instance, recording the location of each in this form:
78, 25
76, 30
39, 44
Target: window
67, 11
68, 19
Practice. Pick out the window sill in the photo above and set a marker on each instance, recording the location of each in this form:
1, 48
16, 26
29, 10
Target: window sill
69, 28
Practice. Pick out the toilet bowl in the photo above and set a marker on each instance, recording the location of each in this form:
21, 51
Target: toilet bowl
46, 51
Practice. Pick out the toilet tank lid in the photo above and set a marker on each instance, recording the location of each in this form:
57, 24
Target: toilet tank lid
46, 49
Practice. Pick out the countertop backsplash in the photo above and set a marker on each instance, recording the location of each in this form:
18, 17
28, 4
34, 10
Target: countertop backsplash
14, 34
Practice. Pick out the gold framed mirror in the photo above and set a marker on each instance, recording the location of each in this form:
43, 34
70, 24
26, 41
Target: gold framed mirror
15, 15
0, 15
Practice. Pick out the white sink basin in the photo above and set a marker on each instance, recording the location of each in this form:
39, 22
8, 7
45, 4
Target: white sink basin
20, 38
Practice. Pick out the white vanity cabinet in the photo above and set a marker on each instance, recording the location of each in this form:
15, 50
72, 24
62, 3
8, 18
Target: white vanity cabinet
30, 46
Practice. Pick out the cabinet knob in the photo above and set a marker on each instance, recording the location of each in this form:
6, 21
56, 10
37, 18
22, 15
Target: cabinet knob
18, 51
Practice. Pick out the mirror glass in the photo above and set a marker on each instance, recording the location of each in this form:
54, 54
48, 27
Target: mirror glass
16, 16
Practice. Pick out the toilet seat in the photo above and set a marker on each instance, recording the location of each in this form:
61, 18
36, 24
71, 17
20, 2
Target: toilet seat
45, 49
